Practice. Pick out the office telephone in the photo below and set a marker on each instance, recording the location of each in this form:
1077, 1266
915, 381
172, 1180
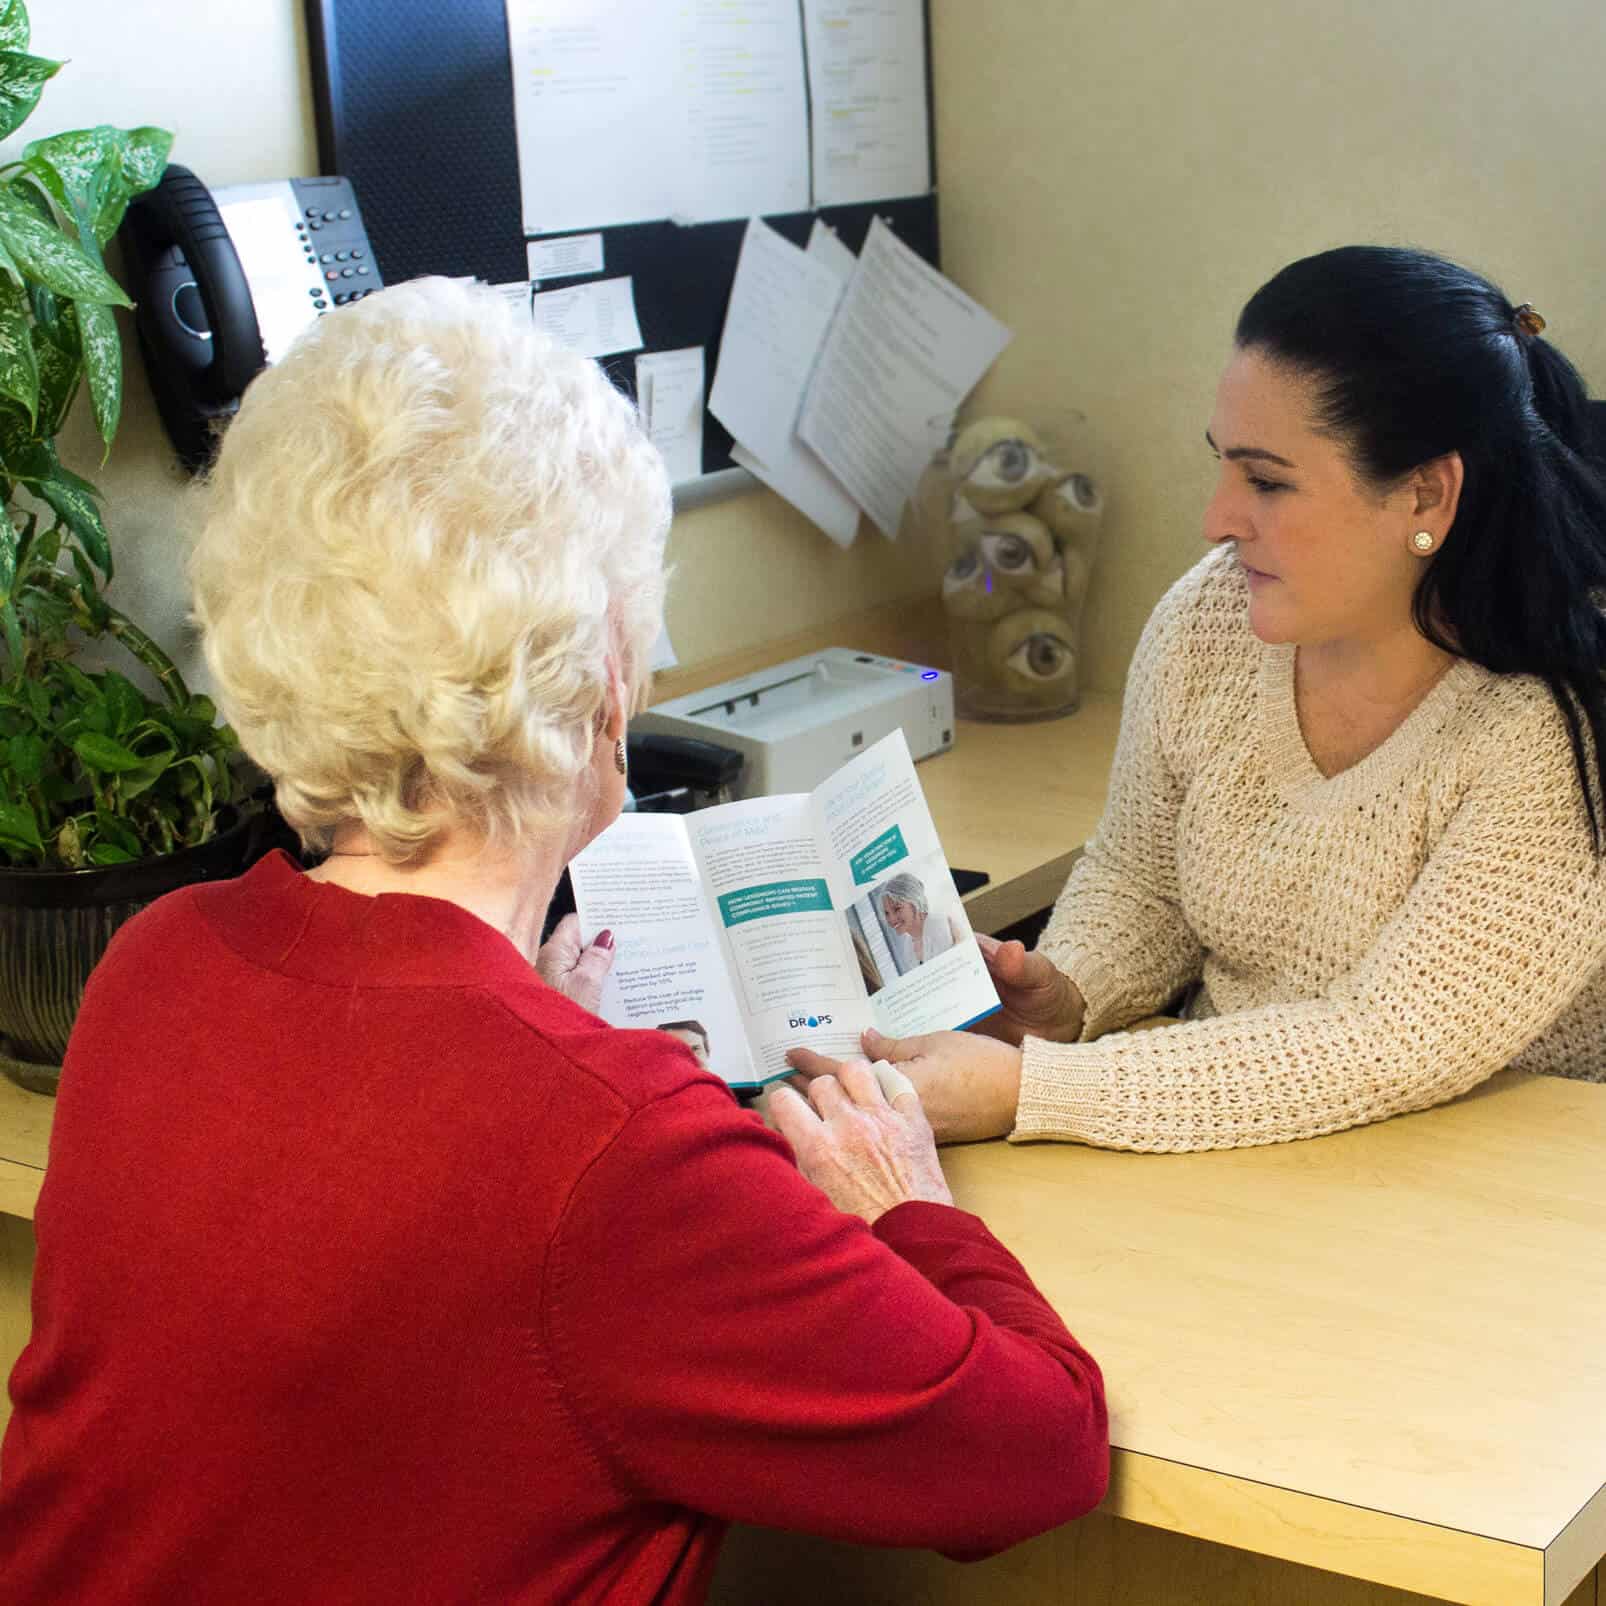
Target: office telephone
223, 281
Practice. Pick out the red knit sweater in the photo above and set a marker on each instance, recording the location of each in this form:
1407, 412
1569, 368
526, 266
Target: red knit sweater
372, 1269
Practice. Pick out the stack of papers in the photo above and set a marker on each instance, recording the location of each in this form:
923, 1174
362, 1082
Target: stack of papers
840, 377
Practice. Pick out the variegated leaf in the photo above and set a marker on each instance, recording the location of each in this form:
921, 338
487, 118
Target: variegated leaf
103, 363
46, 254
72, 500
19, 371
9, 543
61, 366
26, 189
23, 456
142, 159
76, 168
13, 25
22, 77
93, 173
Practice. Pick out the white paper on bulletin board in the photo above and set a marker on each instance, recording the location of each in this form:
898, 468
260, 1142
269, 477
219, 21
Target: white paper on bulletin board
596, 319
867, 86
629, 111
906, 347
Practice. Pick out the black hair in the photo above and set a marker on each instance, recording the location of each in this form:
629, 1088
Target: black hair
1414, 357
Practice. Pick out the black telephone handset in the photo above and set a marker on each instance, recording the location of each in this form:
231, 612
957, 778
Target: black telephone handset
222, 282
189, 266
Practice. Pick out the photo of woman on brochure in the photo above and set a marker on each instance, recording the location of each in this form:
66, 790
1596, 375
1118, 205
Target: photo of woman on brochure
910, 917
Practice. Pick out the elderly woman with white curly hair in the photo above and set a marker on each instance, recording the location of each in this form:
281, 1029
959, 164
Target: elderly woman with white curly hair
372, 1265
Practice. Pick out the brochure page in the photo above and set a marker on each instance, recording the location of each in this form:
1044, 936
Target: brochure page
901, 910
796, 975
639, 880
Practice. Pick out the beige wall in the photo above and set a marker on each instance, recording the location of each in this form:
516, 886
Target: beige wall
1115, 180
1118, 178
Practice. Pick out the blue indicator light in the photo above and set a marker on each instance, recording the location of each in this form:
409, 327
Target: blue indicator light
928, 674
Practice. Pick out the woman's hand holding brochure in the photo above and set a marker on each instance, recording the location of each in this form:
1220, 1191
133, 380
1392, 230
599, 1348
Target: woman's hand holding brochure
1039, 999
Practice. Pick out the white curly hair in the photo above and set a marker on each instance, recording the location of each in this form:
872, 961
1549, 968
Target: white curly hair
428, 530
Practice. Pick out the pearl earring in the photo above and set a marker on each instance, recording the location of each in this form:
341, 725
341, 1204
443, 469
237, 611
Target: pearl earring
1423, 541
619, 756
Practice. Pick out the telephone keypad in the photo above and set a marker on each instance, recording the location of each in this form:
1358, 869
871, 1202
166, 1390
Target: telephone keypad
337, 255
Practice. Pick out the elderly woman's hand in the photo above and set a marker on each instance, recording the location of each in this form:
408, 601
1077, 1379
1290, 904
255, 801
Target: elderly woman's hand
573, 968
968, 1085
864, 1154
1039, 999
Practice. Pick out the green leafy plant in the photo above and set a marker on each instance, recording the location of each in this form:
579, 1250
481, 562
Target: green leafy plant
93, 770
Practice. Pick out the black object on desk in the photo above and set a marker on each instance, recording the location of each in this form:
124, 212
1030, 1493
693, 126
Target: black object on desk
676, 774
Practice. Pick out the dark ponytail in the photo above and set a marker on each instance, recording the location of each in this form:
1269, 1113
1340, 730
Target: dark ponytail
1414, 357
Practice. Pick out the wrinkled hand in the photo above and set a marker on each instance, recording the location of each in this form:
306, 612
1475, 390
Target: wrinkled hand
864, 1154
968, 1085
575, 969
1039, 999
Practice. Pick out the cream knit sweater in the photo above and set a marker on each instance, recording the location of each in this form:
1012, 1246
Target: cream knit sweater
1365, 944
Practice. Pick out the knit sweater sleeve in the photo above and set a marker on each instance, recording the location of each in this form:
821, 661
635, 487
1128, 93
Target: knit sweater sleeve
1118, 929
729, 1342
1501, 928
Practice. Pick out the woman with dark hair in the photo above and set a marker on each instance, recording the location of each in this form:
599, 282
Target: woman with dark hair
1355, 827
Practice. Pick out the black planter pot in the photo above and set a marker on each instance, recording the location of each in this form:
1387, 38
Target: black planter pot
55, 925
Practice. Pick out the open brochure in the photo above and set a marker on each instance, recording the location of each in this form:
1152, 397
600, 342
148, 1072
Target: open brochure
781, 922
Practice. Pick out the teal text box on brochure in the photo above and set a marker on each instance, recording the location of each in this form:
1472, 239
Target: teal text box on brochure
774, 898
870, 861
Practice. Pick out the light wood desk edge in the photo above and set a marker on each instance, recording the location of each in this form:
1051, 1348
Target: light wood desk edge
1379, 1546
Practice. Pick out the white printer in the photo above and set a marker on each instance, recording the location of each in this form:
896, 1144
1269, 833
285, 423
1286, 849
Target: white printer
798, 722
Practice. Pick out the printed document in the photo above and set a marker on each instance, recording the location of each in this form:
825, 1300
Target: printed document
595, 319
780, 922
770, 358
627, 111
867, 85
669, 395
825, 245
568, 258
905, 349
782, 302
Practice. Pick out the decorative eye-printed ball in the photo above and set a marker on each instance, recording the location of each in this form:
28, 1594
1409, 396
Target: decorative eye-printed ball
1073, 509
999, 465
1006, 559
1029, 654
